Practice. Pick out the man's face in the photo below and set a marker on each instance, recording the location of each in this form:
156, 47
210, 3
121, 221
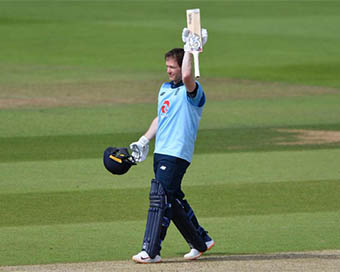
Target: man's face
173, 69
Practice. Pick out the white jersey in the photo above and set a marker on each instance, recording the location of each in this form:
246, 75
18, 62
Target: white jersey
178, 119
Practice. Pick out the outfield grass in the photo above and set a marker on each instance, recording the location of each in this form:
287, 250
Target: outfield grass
289, 41
73, 83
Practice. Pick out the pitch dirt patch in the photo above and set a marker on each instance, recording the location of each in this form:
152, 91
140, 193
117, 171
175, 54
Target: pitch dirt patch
311, 137
297, 261
229, 89
78, 94
56, 94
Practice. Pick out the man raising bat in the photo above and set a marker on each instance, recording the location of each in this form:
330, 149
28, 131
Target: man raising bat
180, 106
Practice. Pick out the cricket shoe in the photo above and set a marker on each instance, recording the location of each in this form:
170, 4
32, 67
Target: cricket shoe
195, 254
144, 258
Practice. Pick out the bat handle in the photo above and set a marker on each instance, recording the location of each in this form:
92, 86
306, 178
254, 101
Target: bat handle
197, 64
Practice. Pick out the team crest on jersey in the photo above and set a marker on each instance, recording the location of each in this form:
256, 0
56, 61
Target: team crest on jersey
165, 107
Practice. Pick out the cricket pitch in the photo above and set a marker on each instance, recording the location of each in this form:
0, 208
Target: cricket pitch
328, 260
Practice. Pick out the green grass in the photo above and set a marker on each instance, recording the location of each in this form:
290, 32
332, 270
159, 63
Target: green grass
71, 147
88, 242
78, 76
107, 205
288, 41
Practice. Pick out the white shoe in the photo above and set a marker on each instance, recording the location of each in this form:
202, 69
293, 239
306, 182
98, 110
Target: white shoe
210, 244
143, 257
195, 254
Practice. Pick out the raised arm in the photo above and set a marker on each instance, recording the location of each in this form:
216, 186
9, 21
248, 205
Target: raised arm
187, 72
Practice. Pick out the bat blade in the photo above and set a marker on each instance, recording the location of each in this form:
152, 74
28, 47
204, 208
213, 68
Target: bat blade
195, 37
194, 25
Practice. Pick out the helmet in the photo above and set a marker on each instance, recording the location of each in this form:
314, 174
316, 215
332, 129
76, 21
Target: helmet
118, 160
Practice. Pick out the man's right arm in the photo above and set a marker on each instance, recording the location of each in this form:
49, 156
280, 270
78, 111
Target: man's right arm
151, 132
140, 148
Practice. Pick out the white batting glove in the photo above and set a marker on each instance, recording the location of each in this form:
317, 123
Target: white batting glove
185, 39
140, 149
186, 36
204, 36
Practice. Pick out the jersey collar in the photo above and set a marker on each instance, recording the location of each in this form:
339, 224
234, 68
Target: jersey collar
179, 84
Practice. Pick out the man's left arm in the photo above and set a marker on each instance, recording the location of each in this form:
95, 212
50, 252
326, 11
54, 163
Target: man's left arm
187, 71
187, 74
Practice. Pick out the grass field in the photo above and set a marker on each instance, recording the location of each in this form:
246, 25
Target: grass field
78, 76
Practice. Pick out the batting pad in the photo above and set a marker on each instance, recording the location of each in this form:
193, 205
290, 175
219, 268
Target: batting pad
157, 197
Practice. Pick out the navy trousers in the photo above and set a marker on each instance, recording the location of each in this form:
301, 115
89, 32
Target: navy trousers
169, 171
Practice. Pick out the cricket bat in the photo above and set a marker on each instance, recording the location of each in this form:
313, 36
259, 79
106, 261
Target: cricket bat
195, 37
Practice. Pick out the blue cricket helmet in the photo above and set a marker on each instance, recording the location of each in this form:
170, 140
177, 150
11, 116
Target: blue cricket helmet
118, 160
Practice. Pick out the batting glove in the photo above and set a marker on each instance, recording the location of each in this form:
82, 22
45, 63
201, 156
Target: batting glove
185, 39
186, 36
140, 149
204, 36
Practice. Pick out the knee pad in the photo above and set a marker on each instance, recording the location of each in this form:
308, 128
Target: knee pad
186, 227
155, 220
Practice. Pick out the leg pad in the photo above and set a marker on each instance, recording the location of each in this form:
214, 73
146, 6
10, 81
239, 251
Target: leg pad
158, 204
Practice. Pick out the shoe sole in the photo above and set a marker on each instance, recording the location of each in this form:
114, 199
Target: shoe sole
193, 258
145, 262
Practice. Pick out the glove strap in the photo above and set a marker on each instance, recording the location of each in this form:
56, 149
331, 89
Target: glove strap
143, 141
